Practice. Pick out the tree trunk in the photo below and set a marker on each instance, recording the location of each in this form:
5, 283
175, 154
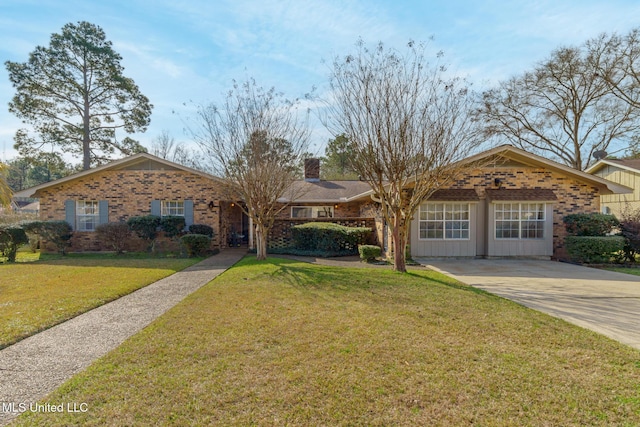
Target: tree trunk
261, 242
86, 136
399, 244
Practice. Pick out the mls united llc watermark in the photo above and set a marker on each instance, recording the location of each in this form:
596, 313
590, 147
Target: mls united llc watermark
19, 408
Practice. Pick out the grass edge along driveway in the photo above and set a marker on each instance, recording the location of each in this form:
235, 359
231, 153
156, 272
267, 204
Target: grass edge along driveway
282, 342
38, 295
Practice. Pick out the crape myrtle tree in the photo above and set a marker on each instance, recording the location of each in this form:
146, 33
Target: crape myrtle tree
567, 106
409, 124
256, 141
74, 95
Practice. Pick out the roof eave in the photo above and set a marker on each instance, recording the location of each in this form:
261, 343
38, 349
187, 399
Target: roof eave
30, 192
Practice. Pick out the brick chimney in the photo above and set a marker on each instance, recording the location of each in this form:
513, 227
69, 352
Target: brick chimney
312, 170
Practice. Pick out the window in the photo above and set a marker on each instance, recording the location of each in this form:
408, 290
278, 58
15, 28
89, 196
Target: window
172, 208
312, 212
520, 220
446, 221
87, 215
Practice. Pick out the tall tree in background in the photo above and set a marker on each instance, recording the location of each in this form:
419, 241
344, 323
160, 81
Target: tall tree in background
5, 191
74, 95
336, 163
25, 172
564, 108
408, 124
256, 141
622, 70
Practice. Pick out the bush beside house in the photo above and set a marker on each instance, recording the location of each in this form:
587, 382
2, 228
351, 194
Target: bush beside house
589, 240
11, 238
328, 239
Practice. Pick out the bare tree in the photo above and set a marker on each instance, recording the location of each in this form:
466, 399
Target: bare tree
408, 124
256, 141
564, 108
164, 145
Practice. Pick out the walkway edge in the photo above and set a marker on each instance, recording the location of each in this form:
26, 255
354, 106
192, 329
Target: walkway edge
37, 365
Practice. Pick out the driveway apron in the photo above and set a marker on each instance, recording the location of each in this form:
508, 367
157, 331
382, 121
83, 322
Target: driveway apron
602, 301
35, 366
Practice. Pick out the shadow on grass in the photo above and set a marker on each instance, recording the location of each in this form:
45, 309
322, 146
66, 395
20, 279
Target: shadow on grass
100, 259
316, 277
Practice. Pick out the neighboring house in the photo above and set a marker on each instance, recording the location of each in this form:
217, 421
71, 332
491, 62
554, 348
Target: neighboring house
624, 172
511, 205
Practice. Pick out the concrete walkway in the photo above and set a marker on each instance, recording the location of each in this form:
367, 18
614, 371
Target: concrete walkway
602, 301
35, 366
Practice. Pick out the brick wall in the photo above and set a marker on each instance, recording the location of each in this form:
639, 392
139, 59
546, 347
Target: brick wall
129, 193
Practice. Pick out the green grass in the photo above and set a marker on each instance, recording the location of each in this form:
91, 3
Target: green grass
38, 293
287, 343
628, 270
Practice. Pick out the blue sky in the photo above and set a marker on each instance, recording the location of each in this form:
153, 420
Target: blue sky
181, 52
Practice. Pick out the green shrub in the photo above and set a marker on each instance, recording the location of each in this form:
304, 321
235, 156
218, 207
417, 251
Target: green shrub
58, 233
630, 230
145, 227
369, 252
11, 238
201, 229
172, 225
115, 235
329, 237
593, 249
196, 244
591, 224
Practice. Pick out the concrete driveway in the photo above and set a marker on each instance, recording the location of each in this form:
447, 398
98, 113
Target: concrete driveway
600, 300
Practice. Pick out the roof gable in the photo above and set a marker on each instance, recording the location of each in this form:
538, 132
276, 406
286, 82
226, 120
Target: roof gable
140, 161
631, 165
516, 154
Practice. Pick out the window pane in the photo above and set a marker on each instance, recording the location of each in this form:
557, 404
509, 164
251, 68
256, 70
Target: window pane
172, 208
519, 220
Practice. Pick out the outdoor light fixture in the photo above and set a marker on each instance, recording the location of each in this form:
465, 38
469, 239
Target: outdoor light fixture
212, 205
498, 182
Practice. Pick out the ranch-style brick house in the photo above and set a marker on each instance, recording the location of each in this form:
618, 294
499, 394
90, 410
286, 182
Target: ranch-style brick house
511, 206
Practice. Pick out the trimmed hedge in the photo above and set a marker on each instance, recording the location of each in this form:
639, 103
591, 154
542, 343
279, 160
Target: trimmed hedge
196, 244
369, 252
329, 237
201, 229
145, 227
172, 225
591, 224
593, 249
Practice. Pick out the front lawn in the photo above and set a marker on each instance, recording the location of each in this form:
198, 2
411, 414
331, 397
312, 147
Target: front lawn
287, 343
627, 270
39, 294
